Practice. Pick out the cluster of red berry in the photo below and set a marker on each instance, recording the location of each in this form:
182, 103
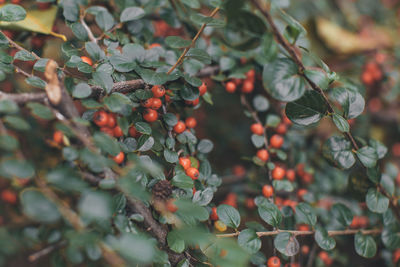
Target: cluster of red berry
246, 84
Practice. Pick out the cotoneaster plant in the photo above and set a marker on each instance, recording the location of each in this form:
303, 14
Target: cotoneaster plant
104, 156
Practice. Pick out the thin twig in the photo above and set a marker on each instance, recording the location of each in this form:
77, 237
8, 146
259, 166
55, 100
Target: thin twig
47, 250
297, 233
88, 30
14, 44
180, 59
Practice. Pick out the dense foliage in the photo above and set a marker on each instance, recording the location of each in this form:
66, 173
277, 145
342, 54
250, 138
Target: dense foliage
108, 109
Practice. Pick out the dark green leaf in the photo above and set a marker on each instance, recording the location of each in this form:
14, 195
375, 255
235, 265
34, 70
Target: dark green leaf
342, 214
352, 101
106, 143
286, 244
82, 90
305, 214
177, 42
339, 150
323, 239
131, 13
182, 181
340, 122
249, 241
376, 201
38, 207
11, 12
229, 215
205, 146
365, 245
270, 213
367, 155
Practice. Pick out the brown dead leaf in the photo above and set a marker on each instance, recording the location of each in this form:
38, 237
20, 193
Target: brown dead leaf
52, 88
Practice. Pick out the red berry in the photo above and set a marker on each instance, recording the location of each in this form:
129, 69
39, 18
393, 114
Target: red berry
278, 173
180, 127
148, 103
154, 45
250, 75
150, 115
107, 130
119, 158
87, 60
291, 175
268, 191
111, 121
171, 207
281, 129
185, 162
158, 91
276, 141
263, 154
193, 102
203, 89
9, 196
301, 193
101, 118
133, 132
274, 262
247, 87
230, 87
58, 137
257, 128
191, 122
117, 131
157, 103
192, 173
43, 6
214, 215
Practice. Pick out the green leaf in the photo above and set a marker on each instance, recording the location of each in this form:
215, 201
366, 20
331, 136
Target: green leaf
170, 119
200, 55
365, 245
319, 77
339, 150
281, 80
122, 63
8, 106
376, 201
226, 63
283, 185
105, 20
40, 65
17, 168
323, 239
342, 214
104, 80
340, 123
118, 103
260, 103
94, 51
249, 241
38, 207
11, 12
203, 197
17, 123
106, 143
257, 140
36, 82
145, 143
95, 206
205, 146
189, 93
307, 110
132, 13
135, 248
8, 142
24, 55
305, 214
286, 244
351, 100
190, 212
272, 120
191, 3
175, 243
270, 213
170, 156
152, 77
380, 148
182, 181
177, 42
367, 155
82, 90
41, 111
391, 236
143, 127
229, 215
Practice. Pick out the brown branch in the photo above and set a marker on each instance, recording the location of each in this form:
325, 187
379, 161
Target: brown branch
88, 30
24, 97
47, 250
297, 233
180, 59
120, 87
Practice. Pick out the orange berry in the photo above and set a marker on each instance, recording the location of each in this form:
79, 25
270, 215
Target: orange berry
223, 253
239, 170
154, 45
192, 173
43, 6
301, 193
214, 215
251, 74
87, 60
324, 256
58, 137
274, 262
117, 131
148, 103
230, 87
396, 149
305, 249
278, 173
257, 128
191, 122
157, 103
396, 255
185, 162
247, 87
150, 115
171, 207
291, 175
268, 191
263, 154
276, 141
9, 196
180, 127
101, 118
158, 91
303, 227
250, 204
367, 78
119, 158
203, 89
281, 129
286, 120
